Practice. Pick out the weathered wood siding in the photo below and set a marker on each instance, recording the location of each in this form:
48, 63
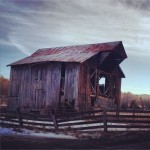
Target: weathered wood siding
34, 86
20, 84
117, 82
52, 84
45, 89
37, 86
72, 83
14, 78
13, 89
84, 88
118, 90
25, 87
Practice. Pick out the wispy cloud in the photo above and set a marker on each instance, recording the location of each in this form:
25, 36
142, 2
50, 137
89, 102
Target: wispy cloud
38, 24
27, 25
141, 5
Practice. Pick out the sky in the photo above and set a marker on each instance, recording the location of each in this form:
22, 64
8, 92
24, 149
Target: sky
28, 25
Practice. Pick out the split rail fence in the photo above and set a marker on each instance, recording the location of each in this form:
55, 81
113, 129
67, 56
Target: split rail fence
103, 120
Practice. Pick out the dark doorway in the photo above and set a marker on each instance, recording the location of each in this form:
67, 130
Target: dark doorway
62, 85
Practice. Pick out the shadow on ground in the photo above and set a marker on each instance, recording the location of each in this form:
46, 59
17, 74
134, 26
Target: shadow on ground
130, 140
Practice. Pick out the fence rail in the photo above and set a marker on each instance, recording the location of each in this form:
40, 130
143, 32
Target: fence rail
104, 120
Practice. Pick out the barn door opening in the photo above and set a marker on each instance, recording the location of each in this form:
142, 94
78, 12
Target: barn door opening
39, 98
62, 85
104, 85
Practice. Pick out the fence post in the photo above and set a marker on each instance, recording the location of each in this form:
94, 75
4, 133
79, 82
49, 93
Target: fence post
19, 116
117, 112
105, 120
54, 118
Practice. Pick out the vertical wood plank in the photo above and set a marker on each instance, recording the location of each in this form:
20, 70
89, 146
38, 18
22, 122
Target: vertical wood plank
105, 120
72, 82
53, 77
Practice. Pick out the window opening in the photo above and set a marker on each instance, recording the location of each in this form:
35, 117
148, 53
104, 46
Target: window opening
102, 84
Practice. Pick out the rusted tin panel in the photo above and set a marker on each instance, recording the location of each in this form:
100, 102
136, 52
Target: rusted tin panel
61, 57
88, 48
79, 53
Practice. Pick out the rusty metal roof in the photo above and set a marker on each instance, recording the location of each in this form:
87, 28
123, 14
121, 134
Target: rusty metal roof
78, 53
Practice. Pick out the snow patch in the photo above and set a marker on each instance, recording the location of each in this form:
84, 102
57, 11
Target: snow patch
26, 132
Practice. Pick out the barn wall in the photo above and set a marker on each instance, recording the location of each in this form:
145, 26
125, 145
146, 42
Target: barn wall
84, 88
38, 86
13, 89
72, 83
37, 98
19, 91
45, 85
52, 84
118, 90
25, 87
34, 86
114, 84
14, 84
117, 80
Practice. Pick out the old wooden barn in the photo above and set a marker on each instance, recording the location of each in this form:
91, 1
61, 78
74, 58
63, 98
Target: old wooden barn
77, 77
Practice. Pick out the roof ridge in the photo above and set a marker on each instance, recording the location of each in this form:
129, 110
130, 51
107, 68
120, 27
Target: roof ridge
117, 42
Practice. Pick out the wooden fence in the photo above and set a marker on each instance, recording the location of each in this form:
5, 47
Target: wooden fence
104, 120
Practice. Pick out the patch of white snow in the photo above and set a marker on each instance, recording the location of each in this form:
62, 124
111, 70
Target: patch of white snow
26, 132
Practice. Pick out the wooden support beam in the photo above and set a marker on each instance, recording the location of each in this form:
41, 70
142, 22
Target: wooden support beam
93, 88
93, 74
106, 90
97, 83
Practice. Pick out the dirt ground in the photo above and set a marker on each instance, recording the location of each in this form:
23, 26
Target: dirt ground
129, 140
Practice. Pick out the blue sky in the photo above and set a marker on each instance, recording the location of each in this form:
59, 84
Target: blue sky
27, 25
